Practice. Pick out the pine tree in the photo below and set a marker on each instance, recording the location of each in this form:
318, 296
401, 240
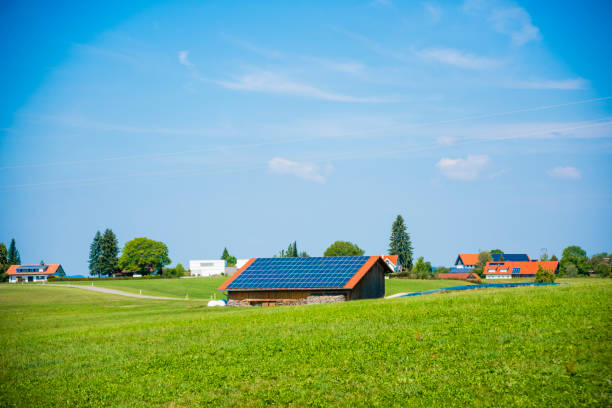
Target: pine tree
94, 255
399, 243
13, 254
109, 249
3, 262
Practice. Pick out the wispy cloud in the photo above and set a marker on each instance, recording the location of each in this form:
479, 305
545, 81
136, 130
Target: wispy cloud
565, 172
183, 57
256, 49
563, 85
374, 46
516, 23
346, 66
435, 12
305, 171
513, 21
459, 58
270, 82
463, 169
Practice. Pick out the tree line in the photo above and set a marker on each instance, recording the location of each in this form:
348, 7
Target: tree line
8, 257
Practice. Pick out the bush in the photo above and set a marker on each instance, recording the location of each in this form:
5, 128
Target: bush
544, 275
602, 269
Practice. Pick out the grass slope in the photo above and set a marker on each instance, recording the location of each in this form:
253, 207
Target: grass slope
196, 288
204, 288
526, 346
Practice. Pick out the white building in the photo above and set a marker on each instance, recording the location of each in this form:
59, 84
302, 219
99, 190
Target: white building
34, 273
212, 267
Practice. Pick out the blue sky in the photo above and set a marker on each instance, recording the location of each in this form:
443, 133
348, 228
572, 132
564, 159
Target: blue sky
250, 125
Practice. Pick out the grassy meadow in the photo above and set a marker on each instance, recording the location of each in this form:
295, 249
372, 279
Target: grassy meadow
205, 288
524, 346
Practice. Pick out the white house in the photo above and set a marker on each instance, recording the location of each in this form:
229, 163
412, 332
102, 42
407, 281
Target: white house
34, 273
211, 267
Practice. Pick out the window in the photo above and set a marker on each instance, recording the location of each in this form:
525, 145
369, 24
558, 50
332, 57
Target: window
504, 270
491, 270
516, 270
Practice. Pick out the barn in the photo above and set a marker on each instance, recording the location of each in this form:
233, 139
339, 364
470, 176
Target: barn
290, 281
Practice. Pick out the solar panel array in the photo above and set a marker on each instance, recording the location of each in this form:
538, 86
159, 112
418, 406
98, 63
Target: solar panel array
299, 273
511, 257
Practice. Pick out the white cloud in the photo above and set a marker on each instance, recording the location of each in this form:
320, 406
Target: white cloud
571, 84
515, 22
434, 11
463, 169
270, 82
306, 171
446, 140
183, 57
459, 58
565, 172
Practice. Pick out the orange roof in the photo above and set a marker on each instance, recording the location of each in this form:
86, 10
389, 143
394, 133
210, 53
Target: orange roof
392, 258
527, 268
235, 275
458, 275
469, 259
51, 269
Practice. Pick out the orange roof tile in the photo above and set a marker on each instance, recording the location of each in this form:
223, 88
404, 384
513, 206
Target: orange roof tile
469, 259
51, 269
458, 275
527, 268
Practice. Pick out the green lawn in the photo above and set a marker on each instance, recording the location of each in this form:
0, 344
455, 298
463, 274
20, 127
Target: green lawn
204, 288
393, 286
195, 288
535, 346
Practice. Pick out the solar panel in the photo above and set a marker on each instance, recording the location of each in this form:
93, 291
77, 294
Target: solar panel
511, 257
516, 270
299, 273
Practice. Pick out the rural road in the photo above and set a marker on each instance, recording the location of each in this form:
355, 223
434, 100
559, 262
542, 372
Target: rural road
116, 292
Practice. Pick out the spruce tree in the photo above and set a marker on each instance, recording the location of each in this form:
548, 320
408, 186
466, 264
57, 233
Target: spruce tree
109, 249
94, 255
399, 243
13, 254
3, 262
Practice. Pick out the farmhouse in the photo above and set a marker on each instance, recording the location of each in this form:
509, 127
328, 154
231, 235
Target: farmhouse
392, 260
282, 281
470, 261
34, 273
458, 275
521, 269
212, 267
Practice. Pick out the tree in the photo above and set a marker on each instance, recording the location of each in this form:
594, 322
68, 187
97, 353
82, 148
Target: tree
544, 275
496, 251
554, 258
231, 260
543, 256
292, 252
109, 250
144, 256
343, 248
180, 270
13, 254
400, 244
483, 258
442, 269
602, 269
597, 259
576, 256
94, 255
3, 262
422, 269
570, 270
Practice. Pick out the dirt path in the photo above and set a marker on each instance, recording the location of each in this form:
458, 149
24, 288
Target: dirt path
396, 295
115, 292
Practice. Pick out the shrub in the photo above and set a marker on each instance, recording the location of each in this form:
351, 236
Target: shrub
602, 269
544, 275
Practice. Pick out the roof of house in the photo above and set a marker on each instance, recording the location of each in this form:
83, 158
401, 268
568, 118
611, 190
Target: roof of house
511, 257
458, 275
50, 269
392, 258
468, 259
453, 269
519, 268
342, 272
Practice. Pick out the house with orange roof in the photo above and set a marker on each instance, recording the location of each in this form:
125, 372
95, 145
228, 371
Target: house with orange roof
34, 273
517, 269
458, 275
466, 261
391, 260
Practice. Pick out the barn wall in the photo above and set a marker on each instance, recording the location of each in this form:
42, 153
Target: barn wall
279, 294
372, 285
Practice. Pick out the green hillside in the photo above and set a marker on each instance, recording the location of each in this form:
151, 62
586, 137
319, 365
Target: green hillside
545, 346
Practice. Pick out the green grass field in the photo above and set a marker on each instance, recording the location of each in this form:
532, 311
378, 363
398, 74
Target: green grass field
204, 288
524, 346
196, 288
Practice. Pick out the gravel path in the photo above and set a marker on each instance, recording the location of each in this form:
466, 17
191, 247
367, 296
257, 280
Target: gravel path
116, 292
396, 295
